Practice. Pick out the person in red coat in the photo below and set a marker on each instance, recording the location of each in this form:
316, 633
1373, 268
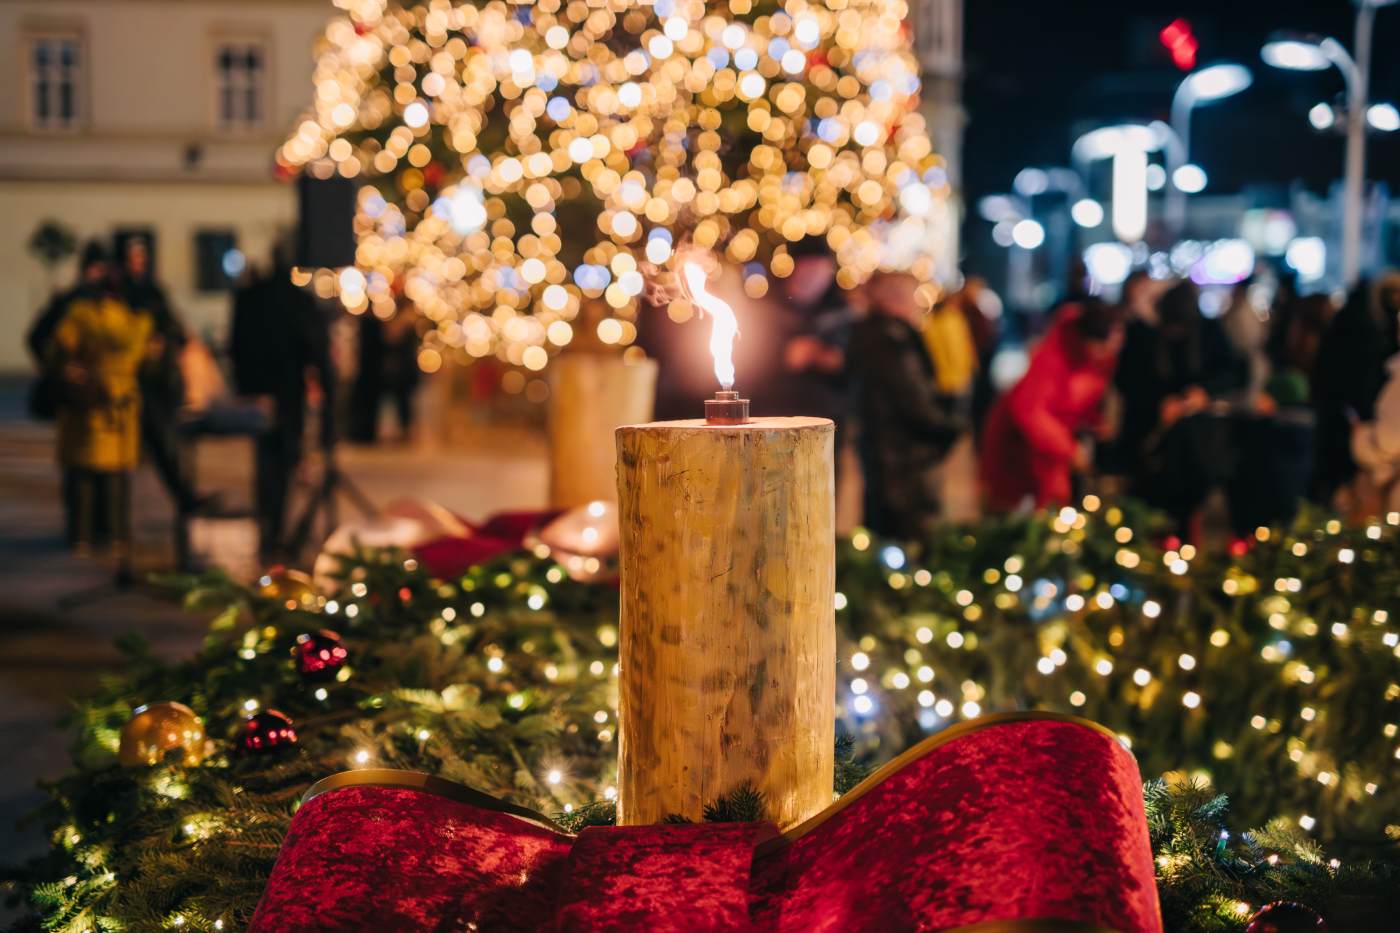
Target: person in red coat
1030, 447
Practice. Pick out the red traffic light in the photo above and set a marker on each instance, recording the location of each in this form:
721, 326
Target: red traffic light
1176, 36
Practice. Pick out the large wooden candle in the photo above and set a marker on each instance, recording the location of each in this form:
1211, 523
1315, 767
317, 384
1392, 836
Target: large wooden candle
728, 647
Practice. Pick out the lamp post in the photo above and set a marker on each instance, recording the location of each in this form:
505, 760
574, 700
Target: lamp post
1209, 84
1127, 145
1013, 214
1317, 53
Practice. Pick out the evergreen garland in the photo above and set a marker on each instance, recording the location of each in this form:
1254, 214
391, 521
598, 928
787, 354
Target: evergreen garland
503, 679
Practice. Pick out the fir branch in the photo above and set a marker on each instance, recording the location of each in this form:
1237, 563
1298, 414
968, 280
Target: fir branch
1284, 627
743, 804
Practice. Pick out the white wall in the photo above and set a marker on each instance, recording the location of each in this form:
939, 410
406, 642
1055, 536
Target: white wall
148, 101
257, 212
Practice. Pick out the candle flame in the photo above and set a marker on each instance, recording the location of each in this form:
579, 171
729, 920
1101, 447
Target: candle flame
725, 327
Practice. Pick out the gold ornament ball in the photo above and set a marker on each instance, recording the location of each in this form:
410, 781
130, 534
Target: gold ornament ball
155, 732
293, 589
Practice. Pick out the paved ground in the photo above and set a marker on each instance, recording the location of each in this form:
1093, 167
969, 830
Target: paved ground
52, 650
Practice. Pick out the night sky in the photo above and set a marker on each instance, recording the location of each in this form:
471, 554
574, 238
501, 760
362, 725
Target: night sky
1040, 73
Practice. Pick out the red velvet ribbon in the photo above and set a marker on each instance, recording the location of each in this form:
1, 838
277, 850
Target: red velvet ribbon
1018, 821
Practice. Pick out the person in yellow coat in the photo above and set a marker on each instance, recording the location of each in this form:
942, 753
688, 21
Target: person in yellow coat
950, 343
96, 354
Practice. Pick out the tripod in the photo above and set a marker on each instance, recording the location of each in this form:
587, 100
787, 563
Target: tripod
322, 503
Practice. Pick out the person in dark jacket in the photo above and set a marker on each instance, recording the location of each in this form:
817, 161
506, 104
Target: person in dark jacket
387, 365
906, 428
367, 390
279, 339
815, 322
401, 372
162, 385
1348, 375
1169, 374
94, 272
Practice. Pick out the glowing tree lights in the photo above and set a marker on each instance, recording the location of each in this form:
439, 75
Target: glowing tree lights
526, 162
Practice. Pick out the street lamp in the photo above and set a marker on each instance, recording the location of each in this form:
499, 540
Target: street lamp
1028, 234
1316, 53
1127, 145
1056, 234
1189, 179
1383, 117
1087, 213
1013, 226
1322, 117
1213, 83
1295, 54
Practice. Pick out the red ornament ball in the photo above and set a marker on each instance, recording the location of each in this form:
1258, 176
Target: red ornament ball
320, 655
1286, 917
266, 731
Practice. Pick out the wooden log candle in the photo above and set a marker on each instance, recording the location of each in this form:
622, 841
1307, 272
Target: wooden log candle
728, 642
591, 394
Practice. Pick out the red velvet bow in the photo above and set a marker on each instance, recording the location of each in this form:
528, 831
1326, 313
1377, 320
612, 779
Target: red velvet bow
1021, 821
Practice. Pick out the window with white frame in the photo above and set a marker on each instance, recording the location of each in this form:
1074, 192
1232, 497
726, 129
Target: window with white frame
55, 80
240, 84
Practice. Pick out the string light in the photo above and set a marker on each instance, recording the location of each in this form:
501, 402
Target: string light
617, 130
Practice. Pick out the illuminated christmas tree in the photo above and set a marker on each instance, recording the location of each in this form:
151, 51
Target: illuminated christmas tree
523, 159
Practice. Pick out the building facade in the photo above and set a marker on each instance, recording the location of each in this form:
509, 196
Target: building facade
938, 45
150, 118
158, 119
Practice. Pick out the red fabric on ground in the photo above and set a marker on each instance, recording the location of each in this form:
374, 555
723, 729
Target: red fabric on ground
446, 558
501, 534
514, 526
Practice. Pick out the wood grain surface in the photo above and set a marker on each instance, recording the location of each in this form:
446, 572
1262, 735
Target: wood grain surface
728, 625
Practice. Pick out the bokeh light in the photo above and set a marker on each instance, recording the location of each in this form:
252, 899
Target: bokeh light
524, 163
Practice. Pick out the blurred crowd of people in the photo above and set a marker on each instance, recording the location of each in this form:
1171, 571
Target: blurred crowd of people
124, 379
1276, 399
1267, 403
